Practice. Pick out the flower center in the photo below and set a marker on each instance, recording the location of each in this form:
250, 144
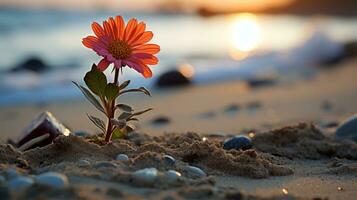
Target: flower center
119, 49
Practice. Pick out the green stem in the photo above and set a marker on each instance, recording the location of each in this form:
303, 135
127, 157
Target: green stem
111, 110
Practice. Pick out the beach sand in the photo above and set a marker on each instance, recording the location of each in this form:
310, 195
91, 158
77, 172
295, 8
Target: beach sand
302, 160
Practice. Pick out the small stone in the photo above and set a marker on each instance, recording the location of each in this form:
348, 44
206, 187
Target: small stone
81, 133
122, 157
232, 109
52, 179
172, 176
239, 142
169, 160
162, 120
46, 123
172, 78
11, 173
348, 129
83, 163
20, 183
145, 176
2, 179
105, 164
194, 171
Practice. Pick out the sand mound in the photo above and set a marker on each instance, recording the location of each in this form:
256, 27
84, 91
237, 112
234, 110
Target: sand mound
303, 141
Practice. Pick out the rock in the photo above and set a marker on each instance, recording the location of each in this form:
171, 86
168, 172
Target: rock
326, 106
194, 171
33, 64
239, 142
20, 183
169, 160
83, 163
46, 123
258, 82
254, 106
122, 157
52, 179
145, 176
232, 109
348, 129
81, 134
172, 176
2, 179
105, 164
4, 192
11, 173
162, 120
171, 79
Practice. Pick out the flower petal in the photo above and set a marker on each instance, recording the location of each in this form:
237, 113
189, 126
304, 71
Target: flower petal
147, 48
108, 30
140, 28
130, 27
143, 38
97, 29
139, 67
148, 59
103, 64
114, 28
118, 64
120, 26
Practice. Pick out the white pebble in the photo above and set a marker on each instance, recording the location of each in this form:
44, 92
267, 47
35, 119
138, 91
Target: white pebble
122, 157
83, 163
145, 176
52, 179
172, 176
195, 171
20, 183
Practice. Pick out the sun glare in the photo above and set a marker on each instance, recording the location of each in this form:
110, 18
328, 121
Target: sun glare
246, 32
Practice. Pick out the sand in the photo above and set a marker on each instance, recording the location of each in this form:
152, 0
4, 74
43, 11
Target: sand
289, 159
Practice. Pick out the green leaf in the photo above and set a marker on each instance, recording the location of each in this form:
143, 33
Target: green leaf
98, 122
124, 116
96, 81
125, 108
111, 91
141, 112
118, 134
118, 122
90, 97
124, 85
141, 89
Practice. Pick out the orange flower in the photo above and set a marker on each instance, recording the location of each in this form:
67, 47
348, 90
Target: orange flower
123, 45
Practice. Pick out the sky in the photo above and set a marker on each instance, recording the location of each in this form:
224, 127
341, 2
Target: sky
145, 5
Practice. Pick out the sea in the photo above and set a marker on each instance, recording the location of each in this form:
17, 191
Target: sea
210, 49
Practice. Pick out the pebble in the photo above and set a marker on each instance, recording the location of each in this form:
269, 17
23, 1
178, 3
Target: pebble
2, 179
122, 157
52, 179
83, 163
20, 183
105, 164
172, 176
161, 120
145, 176
239, 142
169, 160
81, 133
194, 171
348, 129
11, 173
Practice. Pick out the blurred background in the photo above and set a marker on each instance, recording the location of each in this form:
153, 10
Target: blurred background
204, 43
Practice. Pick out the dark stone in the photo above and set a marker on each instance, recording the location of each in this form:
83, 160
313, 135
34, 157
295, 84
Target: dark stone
348, 129
239, 142
33, 64
232, 109
81, 134
171, 79
261, 82
169, 160
45, 123
160, 120
254, 105
326, 106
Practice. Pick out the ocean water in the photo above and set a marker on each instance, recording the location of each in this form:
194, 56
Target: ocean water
217, 48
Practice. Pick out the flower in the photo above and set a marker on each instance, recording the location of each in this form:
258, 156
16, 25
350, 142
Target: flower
123, 45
